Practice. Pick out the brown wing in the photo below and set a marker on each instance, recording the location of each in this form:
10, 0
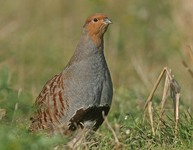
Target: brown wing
50, 105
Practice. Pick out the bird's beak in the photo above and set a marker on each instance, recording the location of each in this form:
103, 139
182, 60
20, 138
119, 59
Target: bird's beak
107, 21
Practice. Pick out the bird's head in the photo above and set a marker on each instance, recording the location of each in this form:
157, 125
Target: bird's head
95, 26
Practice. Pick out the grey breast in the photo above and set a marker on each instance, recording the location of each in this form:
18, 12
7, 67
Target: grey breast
89, 84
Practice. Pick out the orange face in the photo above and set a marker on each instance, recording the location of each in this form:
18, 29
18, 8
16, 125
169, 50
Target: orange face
97, 25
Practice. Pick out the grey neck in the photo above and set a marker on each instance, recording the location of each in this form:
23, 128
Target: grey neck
85, 49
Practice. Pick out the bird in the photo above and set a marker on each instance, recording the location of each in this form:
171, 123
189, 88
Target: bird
77, 97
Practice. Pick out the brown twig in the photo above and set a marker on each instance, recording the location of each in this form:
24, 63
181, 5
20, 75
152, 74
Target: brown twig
188, 69
175, 94
190, 51
149, 100
170, 83
113, 132
163, 101
2, 113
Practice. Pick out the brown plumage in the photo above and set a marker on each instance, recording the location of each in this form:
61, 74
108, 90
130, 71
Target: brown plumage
77, 96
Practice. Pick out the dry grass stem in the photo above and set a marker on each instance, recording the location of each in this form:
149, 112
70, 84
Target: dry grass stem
149, 100
2, 113
175, 94
15, 110
188, 68
118, 145
190, 55
170, 84
79, 139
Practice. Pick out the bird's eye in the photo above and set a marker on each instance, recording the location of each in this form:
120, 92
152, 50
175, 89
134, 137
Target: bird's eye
95, 19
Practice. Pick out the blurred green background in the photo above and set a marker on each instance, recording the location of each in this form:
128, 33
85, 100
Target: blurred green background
37, 39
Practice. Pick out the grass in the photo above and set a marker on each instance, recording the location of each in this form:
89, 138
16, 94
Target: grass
37, 39
127, 124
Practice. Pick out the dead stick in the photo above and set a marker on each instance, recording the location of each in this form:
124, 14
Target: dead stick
177, 96
153, 91
113, 132
164, 96
151, 116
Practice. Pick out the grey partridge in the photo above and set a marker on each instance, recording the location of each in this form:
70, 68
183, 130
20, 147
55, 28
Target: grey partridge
77, 96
